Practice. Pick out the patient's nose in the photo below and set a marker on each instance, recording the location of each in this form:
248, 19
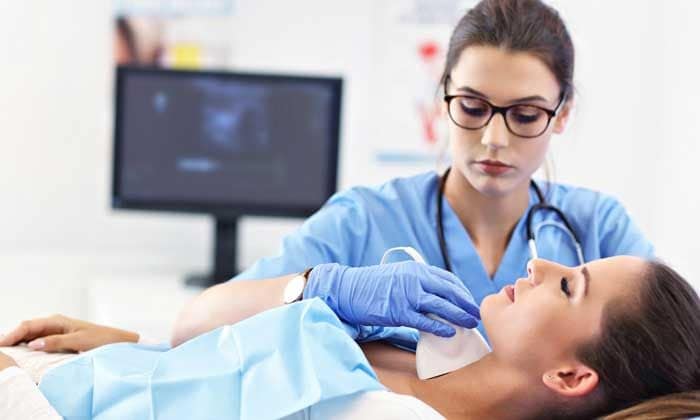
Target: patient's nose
539, 270
534, 271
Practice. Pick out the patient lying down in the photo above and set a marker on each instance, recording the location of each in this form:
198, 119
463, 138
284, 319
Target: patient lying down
567, 343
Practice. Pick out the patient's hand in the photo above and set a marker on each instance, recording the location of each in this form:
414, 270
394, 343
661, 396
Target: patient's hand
62, 334
6, 361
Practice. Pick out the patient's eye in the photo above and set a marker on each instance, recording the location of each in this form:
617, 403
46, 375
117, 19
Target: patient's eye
565, 286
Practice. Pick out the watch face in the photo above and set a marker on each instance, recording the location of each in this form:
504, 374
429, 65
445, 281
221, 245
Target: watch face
294, 289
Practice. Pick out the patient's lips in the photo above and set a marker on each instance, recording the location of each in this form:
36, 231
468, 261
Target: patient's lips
510, 292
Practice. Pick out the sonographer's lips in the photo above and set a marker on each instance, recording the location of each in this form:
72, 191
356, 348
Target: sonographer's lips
493, 167
491, 162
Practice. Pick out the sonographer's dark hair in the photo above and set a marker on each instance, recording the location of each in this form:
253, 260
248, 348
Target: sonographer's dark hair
648, 354
519, 26
126, 32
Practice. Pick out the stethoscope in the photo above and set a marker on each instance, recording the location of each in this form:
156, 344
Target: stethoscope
542, 205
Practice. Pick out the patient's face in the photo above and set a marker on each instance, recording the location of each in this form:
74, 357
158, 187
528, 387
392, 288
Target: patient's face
551, 313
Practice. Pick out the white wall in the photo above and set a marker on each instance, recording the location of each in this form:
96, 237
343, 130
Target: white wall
56, 122
635, 134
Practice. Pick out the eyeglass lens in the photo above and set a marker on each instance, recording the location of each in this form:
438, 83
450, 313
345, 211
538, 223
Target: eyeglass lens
522, 120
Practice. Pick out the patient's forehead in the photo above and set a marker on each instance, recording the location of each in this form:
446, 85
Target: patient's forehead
615, 276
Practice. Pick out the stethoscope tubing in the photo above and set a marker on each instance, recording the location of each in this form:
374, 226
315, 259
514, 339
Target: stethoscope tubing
543, 205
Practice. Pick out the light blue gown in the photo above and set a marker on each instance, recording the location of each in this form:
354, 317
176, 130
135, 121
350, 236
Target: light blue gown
356, 226
269, 366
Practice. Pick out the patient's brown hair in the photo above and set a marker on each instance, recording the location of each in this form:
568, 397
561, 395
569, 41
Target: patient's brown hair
675, 406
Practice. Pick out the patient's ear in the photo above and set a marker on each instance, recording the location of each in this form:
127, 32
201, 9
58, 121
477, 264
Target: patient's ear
572, 380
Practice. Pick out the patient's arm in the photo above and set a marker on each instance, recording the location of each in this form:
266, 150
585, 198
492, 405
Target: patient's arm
6, 361
227, 303
19, 396
59, 333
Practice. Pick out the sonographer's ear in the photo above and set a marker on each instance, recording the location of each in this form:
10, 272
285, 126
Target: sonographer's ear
571, 381
443, 109
562, 118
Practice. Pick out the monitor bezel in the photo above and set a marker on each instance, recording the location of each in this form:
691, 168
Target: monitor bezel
231, 209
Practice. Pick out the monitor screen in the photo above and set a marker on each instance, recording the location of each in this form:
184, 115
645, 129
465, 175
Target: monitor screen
220, 142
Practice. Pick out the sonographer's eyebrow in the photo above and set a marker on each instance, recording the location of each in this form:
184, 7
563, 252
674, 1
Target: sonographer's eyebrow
472, 91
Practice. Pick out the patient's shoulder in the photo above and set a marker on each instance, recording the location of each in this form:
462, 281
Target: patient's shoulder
374, 405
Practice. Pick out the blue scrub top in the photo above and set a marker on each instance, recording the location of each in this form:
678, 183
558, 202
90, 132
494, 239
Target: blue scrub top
356, 226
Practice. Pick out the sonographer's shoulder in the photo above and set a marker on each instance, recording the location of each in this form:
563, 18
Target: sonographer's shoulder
574, 196
586, 207
604, 221
394, 192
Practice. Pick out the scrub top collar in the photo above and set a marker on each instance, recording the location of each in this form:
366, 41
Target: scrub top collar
467, 264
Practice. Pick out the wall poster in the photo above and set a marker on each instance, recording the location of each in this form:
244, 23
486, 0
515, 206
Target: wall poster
412, 38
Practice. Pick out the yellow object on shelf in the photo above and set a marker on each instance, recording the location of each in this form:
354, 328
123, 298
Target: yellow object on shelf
186, 55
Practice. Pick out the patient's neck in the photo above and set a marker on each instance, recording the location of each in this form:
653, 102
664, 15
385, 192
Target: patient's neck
485, 389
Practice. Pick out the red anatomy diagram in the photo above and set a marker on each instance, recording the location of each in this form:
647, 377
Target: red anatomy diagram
428, 108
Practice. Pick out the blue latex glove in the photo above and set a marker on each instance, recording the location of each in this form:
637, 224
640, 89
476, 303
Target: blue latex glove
392, 295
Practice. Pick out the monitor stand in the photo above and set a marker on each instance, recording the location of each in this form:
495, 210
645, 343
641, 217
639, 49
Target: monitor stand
225, 255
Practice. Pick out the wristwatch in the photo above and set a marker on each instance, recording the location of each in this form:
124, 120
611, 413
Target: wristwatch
294, 290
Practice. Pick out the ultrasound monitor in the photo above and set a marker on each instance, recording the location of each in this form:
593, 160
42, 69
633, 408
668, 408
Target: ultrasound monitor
226, 144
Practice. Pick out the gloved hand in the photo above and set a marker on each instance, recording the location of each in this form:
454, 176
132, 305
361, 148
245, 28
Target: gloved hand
398, 294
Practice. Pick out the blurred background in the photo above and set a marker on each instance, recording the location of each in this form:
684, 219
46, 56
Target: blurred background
635, 133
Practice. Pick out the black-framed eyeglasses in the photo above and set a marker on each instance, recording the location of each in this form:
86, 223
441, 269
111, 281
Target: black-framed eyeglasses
473, 113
